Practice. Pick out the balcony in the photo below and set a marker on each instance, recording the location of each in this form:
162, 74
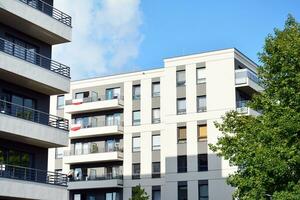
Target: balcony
29, 69
19, 182
96, 128
90, 104
93, 155
94, 182
31, 126
244, 78
37, 19
242, 108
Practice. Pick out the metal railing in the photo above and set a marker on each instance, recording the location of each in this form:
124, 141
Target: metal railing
30, 114
94, 99
108, 176
241, 76
49, 10
33, 57
33, 175
92, 150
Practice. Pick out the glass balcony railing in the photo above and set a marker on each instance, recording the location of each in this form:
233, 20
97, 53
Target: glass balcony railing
93, 149
93, 122
107, 176
49, 10
241, 76
92, 99
33, 57
31, 174
30, 114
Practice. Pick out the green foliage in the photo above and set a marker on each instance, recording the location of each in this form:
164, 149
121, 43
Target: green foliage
266, 148
138, 193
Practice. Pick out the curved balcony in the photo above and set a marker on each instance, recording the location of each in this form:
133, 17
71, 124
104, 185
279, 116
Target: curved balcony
31, 126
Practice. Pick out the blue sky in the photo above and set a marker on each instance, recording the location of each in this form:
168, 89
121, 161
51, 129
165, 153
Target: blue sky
128, 35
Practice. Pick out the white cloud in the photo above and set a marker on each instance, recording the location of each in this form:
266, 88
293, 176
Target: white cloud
106, 36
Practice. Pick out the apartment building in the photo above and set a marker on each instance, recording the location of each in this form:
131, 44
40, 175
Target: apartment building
28, 77
152, 128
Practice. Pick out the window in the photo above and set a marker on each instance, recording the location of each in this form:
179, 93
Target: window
202, 131
201, 104
182, 190
155, 142
156, 170
202, 162
113, 119
180, 78
113, 93
181, 134
181, 106
59, 153
82, 95
156, 89
201, 75
136, 171
136, 118
136, 92
203, 189
60, 101
155, 115
156, 193
181, 164
136, 144
112, 196
77, 196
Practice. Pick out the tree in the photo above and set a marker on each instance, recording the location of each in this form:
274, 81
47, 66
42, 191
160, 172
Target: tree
266, 148
138, 193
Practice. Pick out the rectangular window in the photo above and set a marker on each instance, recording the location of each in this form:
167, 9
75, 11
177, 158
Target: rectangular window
77, 196
203, 189
136, 171
201, 76
59, 153
60, 102
136, 118
180, 78
202, 131
113, 93
182, 190
181, 106
156, 89
136, 92
82, 95
155, 115
136, 144
156, 170
155, 142
201, 104
181, 134
202, 162
156, 193
181, 164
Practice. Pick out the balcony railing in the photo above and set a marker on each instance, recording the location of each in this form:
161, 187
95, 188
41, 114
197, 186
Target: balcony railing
33, 57
93, 122
241, 106
108, 176
241, 76
93, 149
30, 114
33, 175
49, 10
92, 99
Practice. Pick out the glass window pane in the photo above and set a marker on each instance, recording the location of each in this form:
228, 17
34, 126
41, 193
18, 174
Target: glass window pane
79, 95
156, 89
155, 142
60, 101
201, 103
201, 76
180, 76
136, 118
136, 145
202, 131
182, 134
136, 92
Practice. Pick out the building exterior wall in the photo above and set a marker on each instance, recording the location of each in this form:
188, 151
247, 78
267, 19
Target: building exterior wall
220, 90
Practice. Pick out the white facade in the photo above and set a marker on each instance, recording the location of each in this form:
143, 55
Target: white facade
216, 82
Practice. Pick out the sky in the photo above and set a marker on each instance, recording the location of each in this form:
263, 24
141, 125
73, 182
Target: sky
116, 36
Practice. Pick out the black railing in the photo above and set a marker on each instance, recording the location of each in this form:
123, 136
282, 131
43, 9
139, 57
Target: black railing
49, 10
30, 114
33, 175
33, 57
